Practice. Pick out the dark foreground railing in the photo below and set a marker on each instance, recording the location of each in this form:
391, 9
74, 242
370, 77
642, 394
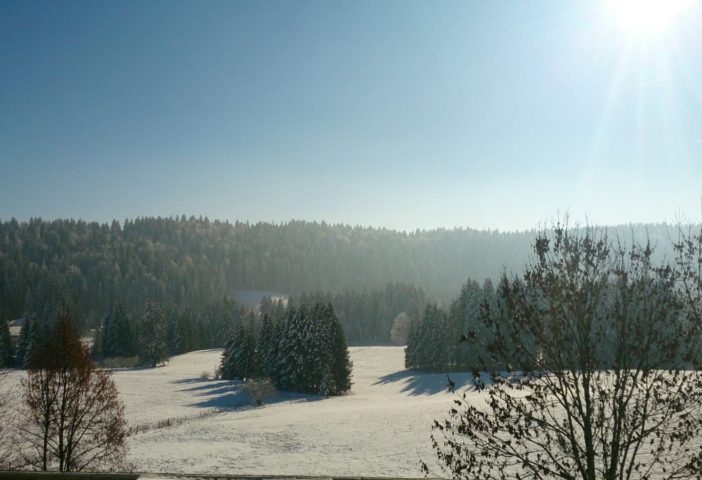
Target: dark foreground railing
4, 475
67, 476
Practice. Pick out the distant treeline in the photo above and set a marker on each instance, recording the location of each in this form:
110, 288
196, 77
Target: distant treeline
189, 265
193, 262
368, 316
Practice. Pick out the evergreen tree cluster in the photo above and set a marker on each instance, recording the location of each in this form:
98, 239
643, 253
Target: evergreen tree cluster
117, 337
241, 359
154, 333
304, 351
434, 344
151, 344
34, 334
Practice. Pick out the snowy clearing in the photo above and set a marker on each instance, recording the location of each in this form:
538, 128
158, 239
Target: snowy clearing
380, 429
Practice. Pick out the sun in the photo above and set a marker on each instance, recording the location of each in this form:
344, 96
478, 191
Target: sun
647, 17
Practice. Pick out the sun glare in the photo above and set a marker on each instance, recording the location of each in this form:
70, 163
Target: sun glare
645, 17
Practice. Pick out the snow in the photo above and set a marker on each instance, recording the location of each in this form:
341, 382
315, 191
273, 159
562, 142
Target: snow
381, 428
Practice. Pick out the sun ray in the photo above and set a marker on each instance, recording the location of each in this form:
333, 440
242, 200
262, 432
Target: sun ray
622, 67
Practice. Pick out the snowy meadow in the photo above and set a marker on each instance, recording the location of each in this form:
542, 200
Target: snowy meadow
381, 428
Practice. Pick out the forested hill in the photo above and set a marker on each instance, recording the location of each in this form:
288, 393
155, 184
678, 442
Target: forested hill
193, 262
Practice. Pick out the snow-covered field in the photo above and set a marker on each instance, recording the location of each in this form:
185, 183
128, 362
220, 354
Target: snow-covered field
381, 428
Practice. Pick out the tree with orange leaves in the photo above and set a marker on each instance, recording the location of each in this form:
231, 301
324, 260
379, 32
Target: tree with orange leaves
74, 418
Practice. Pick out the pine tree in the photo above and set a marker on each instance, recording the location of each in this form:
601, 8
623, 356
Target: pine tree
429, 344
6, 350
239, 360
153, 348
116, 334
175, 336
341, 364
464, 317
317, 356
290, 366
25, 337
125, 337
187, 331
108, 335
411, 348
38, 335
267, 345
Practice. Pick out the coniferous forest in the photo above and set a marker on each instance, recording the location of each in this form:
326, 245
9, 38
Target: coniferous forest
154, 287
194, 262
433, 341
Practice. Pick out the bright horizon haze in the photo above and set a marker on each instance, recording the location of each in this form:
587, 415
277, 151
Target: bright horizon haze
402, 114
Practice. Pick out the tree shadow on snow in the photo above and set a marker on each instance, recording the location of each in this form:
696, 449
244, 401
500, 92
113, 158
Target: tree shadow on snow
419, 383
192, 380
231, 395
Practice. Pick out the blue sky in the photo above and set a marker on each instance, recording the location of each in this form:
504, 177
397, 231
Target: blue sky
405, 114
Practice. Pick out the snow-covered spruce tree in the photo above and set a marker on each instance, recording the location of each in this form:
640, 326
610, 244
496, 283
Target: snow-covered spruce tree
412, 342
176, 341
290, 362
433, 342
341, 364
318, 355
266, 345
420, 343
593, 373
116, 334
239, 359
427, 345
107, 336
463, 317
152, 342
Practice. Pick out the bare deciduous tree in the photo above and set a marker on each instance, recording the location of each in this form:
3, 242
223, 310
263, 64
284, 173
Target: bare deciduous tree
74, 418
594, 368
259, 390
400, 329
7, 411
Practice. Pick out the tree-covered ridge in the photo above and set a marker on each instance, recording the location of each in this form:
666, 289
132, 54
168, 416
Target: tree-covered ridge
193, 262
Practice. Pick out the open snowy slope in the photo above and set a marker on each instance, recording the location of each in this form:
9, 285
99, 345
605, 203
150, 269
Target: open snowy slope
165, 392
380, 429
